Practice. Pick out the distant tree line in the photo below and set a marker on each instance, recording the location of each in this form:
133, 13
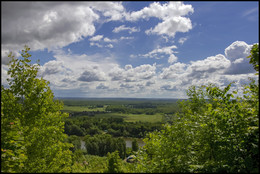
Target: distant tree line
134, 109
143, 108
84, 113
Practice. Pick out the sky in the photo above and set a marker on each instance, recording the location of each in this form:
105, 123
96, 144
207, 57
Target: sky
132, 49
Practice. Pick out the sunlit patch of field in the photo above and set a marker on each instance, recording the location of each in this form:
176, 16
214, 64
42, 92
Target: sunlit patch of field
81, 109
134, 117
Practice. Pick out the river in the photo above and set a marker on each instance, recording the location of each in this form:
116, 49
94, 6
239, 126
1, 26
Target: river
128, 142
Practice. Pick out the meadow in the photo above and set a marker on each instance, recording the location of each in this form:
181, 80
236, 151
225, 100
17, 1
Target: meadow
75, 108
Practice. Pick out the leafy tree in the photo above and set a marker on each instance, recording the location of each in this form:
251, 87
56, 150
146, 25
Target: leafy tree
254, 56
75, 140
114, 165
75, 130
94, 130
103, 143
78, 156
121, 147
32, 126
12, 144
135, 145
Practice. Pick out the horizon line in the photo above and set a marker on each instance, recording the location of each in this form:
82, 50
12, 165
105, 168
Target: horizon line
138, 98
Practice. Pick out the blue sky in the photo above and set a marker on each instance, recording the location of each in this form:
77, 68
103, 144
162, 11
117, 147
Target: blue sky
133, 48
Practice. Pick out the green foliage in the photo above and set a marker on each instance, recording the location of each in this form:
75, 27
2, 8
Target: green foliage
90, 164
114, 163
222, 136
34, 142
75, 130
12, 144
78, 156
97, 164
129, 151
102, 144
254, 57
75, 140
117, 127
135, 145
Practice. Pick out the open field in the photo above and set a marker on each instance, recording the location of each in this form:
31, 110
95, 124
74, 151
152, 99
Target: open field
144, 118
70, 109
134, 117
128, 117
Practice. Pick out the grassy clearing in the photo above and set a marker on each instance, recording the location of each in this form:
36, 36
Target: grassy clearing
143, 118
134, 117
80, 109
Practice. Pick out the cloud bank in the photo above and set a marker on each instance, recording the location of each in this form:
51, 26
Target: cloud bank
148, 80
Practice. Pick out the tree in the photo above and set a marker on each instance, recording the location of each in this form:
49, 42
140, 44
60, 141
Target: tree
12, 144
76, 130
32, 125
214, 132
254, 56
121, 147
75, 140
135, 145
114, 165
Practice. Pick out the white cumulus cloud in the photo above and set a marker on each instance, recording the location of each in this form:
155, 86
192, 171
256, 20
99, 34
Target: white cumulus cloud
123, 27
182, 40
96, 38
52, 25
159, 53
92, 74
51, 67
130, 74
237, 53
171, 14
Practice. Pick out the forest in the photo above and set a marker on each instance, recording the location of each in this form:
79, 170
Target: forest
214, 130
